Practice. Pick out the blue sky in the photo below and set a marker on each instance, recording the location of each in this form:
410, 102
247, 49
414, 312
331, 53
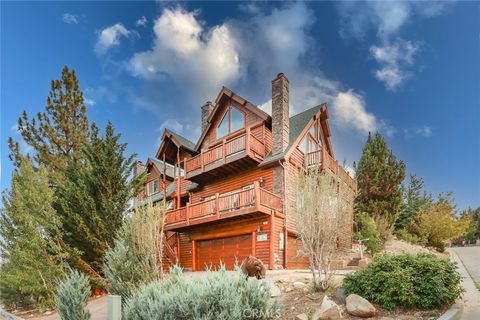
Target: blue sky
409, 70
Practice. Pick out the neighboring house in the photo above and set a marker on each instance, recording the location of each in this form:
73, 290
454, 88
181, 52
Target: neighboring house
228, 193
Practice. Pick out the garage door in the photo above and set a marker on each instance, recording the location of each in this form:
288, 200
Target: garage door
295, 260
211, 252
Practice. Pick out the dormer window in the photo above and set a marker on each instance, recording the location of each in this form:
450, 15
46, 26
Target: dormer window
232, 121
153, 187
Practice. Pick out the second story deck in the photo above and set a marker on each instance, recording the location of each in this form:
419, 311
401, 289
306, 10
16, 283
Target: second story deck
245, 202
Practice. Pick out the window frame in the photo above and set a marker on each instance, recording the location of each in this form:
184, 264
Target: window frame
148, 186
228, 111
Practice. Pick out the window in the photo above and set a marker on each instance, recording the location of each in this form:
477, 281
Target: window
153, 187
312, 140
232, 121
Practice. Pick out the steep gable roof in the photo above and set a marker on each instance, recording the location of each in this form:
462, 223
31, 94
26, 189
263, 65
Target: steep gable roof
177, 140
169, 169
297, 125
226, 93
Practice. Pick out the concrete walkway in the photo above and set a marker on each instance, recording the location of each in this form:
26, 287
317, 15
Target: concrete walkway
471, 298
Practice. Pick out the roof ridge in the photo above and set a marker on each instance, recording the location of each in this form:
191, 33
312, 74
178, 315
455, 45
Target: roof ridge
307, 110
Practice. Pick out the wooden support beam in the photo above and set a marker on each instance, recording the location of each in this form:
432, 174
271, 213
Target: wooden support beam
194, 258
272, 232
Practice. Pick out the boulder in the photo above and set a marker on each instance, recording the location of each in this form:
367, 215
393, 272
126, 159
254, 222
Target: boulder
298, 285
360, 307
301, 316
274, 291
327, 310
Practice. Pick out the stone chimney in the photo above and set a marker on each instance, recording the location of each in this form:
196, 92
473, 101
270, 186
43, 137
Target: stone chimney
207, 108
139, 168
280, 114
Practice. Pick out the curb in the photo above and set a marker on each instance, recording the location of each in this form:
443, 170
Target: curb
454, 313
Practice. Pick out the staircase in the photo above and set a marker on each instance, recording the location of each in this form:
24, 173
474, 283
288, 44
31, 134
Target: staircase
353, 262
170, 247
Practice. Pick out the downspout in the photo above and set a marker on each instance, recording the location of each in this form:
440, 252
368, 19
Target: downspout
285, 231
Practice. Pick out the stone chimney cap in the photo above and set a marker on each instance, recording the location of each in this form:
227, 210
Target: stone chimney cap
281, 75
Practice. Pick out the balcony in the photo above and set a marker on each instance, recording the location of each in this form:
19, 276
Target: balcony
250, 202
238, 151
323, 159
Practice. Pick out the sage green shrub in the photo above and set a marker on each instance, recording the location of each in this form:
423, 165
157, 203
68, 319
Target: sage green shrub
423, 281
218, 295
72, 297
367, 231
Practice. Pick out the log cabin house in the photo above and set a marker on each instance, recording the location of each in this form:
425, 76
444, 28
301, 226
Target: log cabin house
227, 194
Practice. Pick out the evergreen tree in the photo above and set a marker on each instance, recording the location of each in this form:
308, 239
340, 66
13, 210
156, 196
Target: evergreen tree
414, 198
57, 134
379, 175
94, 196
31, 246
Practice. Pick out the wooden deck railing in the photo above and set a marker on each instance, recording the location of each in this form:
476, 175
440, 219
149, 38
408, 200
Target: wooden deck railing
221, 204
242, 141
323, 158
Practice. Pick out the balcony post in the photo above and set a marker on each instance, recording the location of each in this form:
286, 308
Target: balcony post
184, 167
201, 159
256, 188
217, 205
188, 213
247, 142
224, 150
323, 158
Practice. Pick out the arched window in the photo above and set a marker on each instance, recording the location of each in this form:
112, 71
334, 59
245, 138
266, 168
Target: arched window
232, 121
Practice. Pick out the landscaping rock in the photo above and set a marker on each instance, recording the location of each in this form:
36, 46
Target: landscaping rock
298, 285
274, 291
339, 294
327, 310
302, 316
360, 307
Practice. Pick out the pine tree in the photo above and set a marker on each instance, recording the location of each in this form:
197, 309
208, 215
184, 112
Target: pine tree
31, 246
94, 196
379, 175
57, 134
414, 198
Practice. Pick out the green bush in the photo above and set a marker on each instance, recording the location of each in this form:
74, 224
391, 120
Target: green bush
404, 235
124, 271
367, 229
72, 297
424, 281
218, 295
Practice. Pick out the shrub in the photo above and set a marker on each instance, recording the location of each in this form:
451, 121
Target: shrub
404, 235
424, 281
72, 296
218, 295
124, 271
367, 229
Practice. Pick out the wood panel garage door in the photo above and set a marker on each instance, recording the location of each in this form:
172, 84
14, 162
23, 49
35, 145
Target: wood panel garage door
294, 259
211, 252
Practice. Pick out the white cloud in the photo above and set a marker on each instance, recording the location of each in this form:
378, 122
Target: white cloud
70, 18
110, 37
191, 61
349, 110
394, 60
189, 54
173, 125
387, 18
422, 131
89, 102
141, 22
